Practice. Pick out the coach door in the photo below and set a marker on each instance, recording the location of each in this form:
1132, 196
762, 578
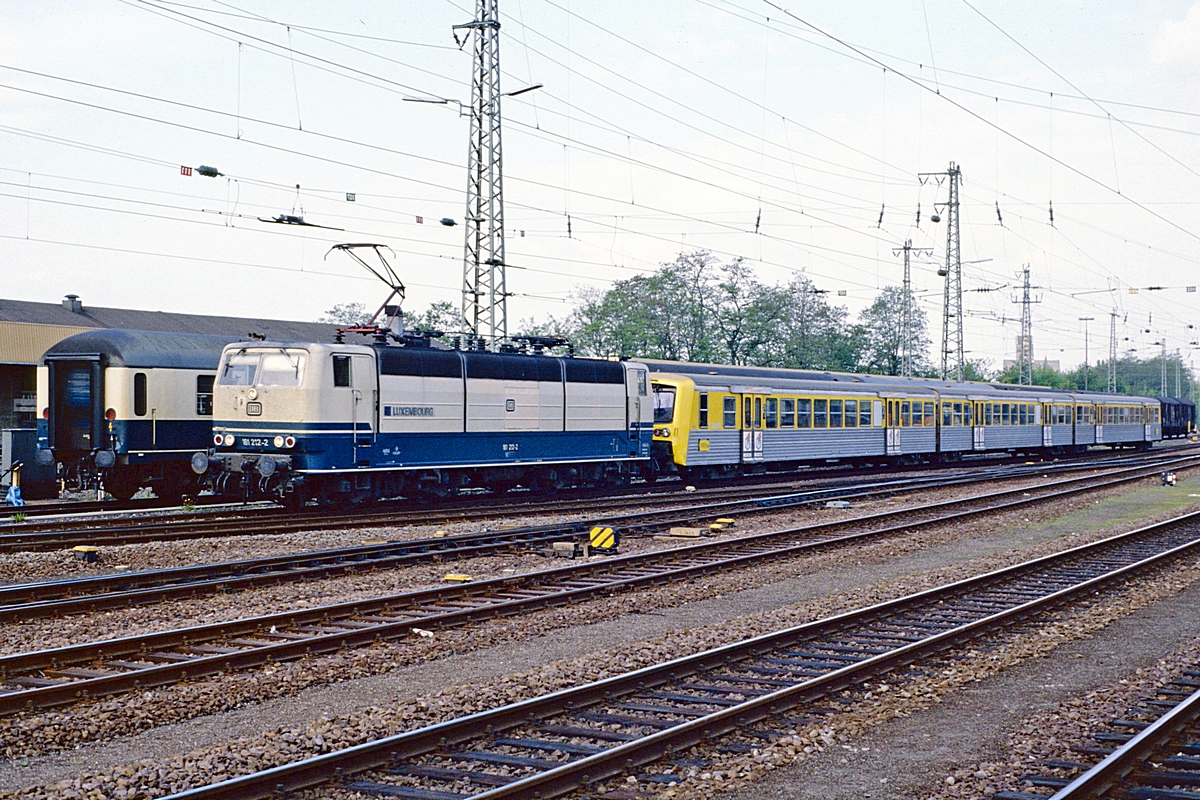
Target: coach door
752, 428
978, 440
892, 427
76, 423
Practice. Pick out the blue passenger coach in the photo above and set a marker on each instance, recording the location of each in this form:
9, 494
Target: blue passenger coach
125, 409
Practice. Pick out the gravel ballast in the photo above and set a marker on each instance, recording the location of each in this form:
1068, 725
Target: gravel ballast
413, 682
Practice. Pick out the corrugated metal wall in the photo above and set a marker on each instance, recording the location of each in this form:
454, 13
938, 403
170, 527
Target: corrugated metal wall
24, 342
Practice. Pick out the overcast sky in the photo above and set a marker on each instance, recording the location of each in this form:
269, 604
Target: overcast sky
661, 127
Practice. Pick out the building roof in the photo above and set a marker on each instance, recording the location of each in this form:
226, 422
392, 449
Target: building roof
28, 329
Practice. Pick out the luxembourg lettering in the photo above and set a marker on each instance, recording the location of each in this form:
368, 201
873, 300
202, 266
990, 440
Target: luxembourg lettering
408, 411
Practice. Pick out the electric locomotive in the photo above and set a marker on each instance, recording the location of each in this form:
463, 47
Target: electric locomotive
124, 409
343, 423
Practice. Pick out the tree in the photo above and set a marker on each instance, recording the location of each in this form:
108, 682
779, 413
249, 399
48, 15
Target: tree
440, 316
346, 314
886, 332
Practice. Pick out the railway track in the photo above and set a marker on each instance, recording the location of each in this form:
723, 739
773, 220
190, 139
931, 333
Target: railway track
1153, 757
68, 674
640, 724
91, 594
56, 535
84, 507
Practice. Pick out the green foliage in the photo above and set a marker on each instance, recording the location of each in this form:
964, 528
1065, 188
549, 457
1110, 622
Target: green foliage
20, 516
699, 309
1139, 377
346, 314
884, 329
440, 316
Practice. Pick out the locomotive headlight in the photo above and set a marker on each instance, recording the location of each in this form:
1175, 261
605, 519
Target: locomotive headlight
289, 442
228, 440
218, 439
278, 442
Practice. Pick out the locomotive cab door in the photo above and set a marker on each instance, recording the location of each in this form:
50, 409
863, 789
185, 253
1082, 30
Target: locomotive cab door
357, 374
752, 428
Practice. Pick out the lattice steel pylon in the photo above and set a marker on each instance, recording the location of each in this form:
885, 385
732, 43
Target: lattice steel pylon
1112, 353
1025, 342
485, 294
906, 315
953, 361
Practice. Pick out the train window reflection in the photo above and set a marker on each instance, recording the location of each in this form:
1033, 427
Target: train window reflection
820, 413
730, 412
851, 413
803, 413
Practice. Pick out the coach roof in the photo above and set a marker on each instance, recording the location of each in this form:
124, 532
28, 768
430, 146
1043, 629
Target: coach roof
125, 348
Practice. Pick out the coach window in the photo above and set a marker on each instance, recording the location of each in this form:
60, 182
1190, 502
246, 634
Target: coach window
341, 374
804, 413
747, 413
905, 414
204, 395
968, 416
139, 394
704, 409
864, 413
835, 413
730, 412
851, 413
772, 412
820, 413
787, 413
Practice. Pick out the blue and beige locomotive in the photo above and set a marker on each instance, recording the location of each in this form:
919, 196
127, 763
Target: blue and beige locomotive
352, 422
124, 409
715, 421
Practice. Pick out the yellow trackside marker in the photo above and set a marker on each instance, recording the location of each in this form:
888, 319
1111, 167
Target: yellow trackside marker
374, 542
440, 534
457, 577
86, 553
715, 527
726, 521
604, 538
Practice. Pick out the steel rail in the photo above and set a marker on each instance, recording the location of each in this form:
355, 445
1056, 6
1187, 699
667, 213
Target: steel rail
226, 521
77, 595
959, 612
1117, 770
258, 521
170, 656
81, 507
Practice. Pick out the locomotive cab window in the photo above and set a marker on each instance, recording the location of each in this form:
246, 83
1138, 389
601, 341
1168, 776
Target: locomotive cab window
341, 375
285, 368
704, 409
204, 395
240, 369
664, 404
139, 394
